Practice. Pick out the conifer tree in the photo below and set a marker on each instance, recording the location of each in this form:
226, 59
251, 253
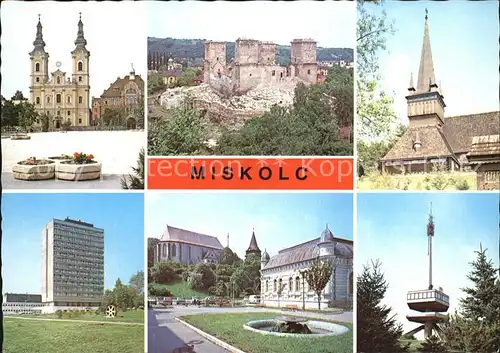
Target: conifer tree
476, 327
377, 329
433, 345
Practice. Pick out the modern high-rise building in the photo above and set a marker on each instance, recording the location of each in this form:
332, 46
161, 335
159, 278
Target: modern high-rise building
72, 265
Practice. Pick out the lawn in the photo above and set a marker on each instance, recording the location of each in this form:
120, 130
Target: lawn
181, 290
417, 181
229, 328
34, 336
136, 316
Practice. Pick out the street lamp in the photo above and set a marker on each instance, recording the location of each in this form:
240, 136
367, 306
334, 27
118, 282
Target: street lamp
303, 273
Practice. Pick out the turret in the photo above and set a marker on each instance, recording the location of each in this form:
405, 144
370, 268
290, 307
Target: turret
264, 259
253, 248
326, 243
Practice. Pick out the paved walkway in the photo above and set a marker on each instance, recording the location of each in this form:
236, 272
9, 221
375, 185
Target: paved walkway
166, 335
79, 321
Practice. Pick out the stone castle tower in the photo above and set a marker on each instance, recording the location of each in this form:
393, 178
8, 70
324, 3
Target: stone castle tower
303, 55
61, 98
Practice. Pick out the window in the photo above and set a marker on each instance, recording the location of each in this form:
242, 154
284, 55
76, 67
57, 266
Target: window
58, 80
48, 99
79, 121
130, 97
267, 286
308, 72
37, 100
275, 285
68, 99
37, 79
297, 284
80, 79
58, 98
37, 67
80, 66
290, 284
69, 112
58, 113
173, 249
80, 99
274, 72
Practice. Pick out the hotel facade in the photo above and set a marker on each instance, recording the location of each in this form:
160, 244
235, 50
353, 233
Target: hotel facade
72, 265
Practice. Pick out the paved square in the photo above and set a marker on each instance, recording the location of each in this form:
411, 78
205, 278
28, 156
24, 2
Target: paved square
116, 150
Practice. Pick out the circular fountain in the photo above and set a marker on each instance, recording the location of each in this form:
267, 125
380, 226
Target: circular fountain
292, 326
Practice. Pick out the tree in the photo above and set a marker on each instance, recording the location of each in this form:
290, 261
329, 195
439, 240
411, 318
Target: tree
377, 328
152, 243
187, 77
136, 180
180, 131
165, 272
207, 275
318, 276
432, 345
27, 114
155, 83
18, 96
228, 257
137, 281
45, 121
9, 113
246, 276
66, 125
112, 117
279, 291
374, 106
476, 325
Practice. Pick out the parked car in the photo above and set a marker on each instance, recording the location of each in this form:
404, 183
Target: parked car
222, 302
180, 301
151, 302
193, 301
165, 301
254, 299
209, 301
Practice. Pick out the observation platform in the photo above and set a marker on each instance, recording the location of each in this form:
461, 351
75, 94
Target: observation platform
430, 300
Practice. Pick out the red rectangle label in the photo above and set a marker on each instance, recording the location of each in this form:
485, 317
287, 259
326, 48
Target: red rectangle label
251, 173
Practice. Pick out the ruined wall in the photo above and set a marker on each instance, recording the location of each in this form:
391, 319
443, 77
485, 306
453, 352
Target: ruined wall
246, 51
303, 56
215, 59
267, 53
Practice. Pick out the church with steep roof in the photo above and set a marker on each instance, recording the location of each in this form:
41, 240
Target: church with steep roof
282, 283
63, 99
456, 142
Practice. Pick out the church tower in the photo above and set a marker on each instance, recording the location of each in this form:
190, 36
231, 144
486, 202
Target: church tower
39, 66
425, 102
253, 248
81, 78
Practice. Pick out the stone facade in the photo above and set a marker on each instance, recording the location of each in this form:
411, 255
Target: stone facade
62, 98
254, 64
187, 247
284, 271
125, 95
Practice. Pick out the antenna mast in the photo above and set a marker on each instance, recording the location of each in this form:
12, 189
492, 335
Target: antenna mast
430, 235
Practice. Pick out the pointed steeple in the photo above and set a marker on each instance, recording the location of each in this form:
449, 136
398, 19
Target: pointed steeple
80, 41
411, 86
39, 43
253, 248
426, 79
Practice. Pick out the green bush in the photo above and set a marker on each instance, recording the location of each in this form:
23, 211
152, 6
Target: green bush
461, 184
59, 314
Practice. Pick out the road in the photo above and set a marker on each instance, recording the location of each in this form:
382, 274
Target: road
166, 335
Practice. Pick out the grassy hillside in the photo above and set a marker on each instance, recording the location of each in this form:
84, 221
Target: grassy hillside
193, 49
181, 290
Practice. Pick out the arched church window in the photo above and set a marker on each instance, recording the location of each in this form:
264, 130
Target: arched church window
80, 99
130, 97
58, 98
80, 66
37, 67
267, 286
68, 99
80, 79
58, 80
38, 79
280, 285
351, 288
297, 284
174, 248
290, 284
48, 99
275, 285
37, 100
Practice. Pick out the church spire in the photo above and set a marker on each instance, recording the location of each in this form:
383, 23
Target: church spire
80, 41
426, 79
39, 43
253, 248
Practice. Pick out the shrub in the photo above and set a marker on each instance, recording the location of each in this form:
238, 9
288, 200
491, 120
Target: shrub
59, 314
462, 184
195, 280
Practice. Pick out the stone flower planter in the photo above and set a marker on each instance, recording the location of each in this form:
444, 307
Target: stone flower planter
42, 170
68, 170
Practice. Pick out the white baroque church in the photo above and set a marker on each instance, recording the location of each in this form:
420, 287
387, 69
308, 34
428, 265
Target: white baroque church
283, 270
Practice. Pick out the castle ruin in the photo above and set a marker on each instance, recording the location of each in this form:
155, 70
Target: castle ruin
254, 64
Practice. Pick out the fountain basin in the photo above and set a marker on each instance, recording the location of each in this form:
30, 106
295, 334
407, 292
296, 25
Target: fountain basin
317, 328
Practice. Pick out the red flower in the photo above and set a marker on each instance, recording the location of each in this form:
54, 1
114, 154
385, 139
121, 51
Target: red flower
76, 154
90, 156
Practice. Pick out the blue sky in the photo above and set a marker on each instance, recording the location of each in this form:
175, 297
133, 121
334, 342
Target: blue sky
111, 55
464, 41
280, 220
392, 228
330, 23
25, 214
